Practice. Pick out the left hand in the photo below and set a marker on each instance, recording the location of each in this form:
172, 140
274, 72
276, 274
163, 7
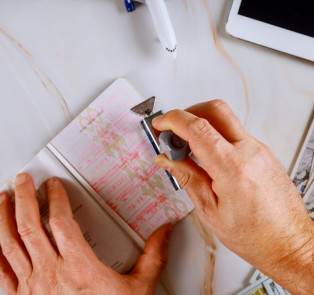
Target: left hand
30, 264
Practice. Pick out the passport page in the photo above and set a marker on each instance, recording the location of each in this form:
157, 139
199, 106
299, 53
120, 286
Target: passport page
108, 239
106, 147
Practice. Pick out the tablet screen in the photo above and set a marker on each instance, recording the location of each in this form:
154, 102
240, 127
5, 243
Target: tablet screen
293, 15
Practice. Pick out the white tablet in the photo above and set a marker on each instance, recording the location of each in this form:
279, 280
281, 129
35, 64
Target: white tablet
284, 25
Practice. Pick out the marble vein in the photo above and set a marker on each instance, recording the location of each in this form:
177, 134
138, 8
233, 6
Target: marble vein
207, 236
185, 4
45, 80
226, 55
294, 87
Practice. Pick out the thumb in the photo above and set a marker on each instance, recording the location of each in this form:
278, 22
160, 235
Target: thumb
193, 179
155, 256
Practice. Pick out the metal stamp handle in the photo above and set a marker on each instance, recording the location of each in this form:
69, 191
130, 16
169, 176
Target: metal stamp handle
175, 148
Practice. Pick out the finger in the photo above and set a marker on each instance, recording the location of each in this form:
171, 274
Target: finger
221, 117
11, 244
8, 280
206, 143
28, 221
193, 179
154, 258
67, 234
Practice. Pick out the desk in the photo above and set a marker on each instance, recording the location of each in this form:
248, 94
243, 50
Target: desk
56, 56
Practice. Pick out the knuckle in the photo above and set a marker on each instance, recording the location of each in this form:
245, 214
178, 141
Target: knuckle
219, 105
264, 151
52, 283
47, 274
82, 274
80, 281
10, 250
262, 155
261, 151
200, 127
161, 262
184, 179
26, 231
242, 170
246, 170
58, 222
22, 195
237, 165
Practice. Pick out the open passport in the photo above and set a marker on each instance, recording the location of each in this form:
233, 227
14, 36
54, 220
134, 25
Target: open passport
117, 194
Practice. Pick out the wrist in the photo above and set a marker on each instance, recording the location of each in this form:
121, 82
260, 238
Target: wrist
302, 267
293, 268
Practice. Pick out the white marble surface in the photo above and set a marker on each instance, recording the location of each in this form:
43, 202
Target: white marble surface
57, 55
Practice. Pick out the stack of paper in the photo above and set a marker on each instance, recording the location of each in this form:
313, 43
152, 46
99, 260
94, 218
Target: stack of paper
303, 172
262, 285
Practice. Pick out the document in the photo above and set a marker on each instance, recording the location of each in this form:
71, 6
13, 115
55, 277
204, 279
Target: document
118, 195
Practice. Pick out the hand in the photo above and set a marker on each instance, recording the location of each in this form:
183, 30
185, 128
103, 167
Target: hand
29, 264
242, 193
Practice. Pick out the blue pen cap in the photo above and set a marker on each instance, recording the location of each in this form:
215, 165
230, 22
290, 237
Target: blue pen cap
129, 5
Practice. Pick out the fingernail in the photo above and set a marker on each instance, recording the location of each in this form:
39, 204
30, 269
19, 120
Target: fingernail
21, 178
156, 120
160, 161
51, 182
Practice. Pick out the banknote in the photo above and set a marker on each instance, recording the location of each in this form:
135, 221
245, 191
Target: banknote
266, 285
303, 172
273, 288
257, 288
256, 276
308, 200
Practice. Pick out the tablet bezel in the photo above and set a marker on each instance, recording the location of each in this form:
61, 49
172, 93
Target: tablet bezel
268, 35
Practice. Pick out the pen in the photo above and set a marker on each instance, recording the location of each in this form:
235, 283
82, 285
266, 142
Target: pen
163, 25
129, 5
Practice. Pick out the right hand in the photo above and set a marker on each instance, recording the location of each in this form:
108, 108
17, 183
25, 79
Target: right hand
242, 193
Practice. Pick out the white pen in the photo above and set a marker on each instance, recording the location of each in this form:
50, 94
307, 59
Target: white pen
163, 25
